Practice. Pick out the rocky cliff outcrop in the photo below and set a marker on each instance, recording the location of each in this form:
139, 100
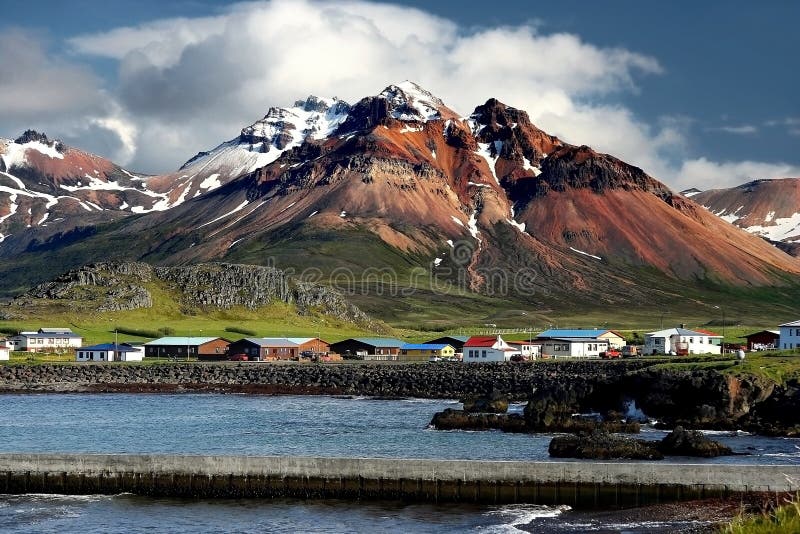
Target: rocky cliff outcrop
123, 286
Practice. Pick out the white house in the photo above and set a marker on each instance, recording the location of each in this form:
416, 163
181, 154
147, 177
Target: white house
790, 335
682, 341
5, 352
528, 349
613, 338
110, 352
482, 349
46, 340
580, 347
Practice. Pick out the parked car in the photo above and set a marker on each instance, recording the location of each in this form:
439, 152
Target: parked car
238, 358
434, 359
611, 354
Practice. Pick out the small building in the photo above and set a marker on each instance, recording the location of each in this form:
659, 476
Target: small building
203, 348
764, 340
482, 349
110, 352
529, 349
580, 347
615, 339
46, 340
457, 342
5, 352
369, 348
681, 341
279, 348
415, 352
312, 345
789, 335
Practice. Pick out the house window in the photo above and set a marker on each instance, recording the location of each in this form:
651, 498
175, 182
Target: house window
483, 354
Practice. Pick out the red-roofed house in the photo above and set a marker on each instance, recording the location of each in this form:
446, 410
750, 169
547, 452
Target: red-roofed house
479, 349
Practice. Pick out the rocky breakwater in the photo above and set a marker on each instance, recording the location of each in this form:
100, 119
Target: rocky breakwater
429, 380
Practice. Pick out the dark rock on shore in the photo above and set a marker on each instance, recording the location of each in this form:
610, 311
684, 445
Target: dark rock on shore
681, 442
600, 445
451, 419
494, 403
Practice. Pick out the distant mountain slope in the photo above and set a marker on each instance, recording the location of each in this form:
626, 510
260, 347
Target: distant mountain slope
398, 181
768, 208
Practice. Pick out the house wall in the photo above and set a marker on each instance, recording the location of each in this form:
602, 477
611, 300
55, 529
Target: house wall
483, 355
790, 337
5, 353
614, 341
412, 355
243, 347
47, 342
356, 347
763, 340
216, 347
315, 345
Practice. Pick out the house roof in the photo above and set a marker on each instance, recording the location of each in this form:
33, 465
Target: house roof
793, 323
773, 332
37, 335
579, 339
425, 346
709, 333
118, 347
181, 341
462, 339
481, 341
385, 342
277, 342
574, 333
681, 332
303, 340
55, 330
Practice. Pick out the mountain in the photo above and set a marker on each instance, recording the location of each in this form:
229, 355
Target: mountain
768, 208
399, 190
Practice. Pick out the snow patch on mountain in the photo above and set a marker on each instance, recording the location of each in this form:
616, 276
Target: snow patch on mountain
412, 103
785, 228
485, 152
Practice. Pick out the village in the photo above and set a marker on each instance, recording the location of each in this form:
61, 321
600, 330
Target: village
548, 344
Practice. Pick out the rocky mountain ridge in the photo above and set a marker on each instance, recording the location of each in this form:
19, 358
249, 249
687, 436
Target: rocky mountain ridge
767, 208
399, 181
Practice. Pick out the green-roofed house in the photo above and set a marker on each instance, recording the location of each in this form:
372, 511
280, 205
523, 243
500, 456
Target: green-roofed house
202, 348
369, 348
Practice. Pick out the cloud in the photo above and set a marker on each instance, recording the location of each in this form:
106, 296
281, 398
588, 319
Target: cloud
744, 129
186, 84
199, 81
41, 90
705, 174
792, 124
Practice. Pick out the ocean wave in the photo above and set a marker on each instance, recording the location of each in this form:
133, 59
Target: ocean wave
514, 516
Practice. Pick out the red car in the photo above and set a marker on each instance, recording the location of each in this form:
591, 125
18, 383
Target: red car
238, 358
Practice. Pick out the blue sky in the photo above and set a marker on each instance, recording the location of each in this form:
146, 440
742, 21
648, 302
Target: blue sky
696, 93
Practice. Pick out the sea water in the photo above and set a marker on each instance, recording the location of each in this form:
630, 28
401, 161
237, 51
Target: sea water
291, 426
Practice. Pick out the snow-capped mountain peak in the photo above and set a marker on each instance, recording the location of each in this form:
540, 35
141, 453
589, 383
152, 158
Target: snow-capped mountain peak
410, 102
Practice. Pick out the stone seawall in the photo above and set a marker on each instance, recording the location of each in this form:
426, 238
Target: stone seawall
427, 380
578, 484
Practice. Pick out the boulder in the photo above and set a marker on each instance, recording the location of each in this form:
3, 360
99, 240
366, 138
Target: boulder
494, 403
682, 442
600, 445
451, 419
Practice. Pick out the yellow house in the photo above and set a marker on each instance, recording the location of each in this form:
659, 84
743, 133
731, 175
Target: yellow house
426, 351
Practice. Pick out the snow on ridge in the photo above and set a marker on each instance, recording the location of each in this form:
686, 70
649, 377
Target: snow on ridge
95, 184
784, 228
526, 164
473, 225
12, 207
519, 226
240, 207
211, 182
457, 220
769, 216
412, 103
484, 152
15, 153
585, 253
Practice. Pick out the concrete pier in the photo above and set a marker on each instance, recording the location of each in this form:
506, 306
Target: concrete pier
580, 484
